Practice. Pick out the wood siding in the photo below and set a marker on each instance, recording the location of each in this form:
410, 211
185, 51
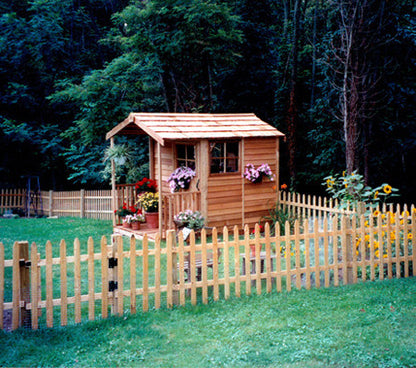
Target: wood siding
259, 198
233, 200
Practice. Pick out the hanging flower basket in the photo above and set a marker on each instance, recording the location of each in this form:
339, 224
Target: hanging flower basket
181, 178
256, 175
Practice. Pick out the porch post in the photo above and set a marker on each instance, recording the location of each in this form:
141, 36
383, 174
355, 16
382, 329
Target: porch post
113, 185
159, 184
203, 167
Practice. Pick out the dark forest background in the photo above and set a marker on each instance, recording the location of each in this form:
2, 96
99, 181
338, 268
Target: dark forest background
338, 77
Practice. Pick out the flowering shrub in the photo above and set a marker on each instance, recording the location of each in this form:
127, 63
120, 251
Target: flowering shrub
180, 178
146, 185
190, 219
256, 175
138, 217
149, 201
125, 210
351, 189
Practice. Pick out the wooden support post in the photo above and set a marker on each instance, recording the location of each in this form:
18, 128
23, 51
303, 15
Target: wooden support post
159, 184
172, 272
50, 203
25, 315
113, 186
347, 256
203, 168
82, 203
113, 274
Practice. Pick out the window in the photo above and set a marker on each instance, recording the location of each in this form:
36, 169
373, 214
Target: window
224, 157
185, 155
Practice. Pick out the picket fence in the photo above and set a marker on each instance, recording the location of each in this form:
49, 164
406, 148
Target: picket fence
129, 274
81, 203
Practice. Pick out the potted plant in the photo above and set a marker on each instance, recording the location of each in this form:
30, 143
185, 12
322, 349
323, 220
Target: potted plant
124, 211
146, 185
150, 203
136, 220
255, 175
181, 178
127, 221
190, 219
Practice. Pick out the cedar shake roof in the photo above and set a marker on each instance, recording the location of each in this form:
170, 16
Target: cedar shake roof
181, 126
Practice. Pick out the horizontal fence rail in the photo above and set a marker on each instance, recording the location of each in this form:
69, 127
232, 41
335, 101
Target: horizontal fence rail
85, 281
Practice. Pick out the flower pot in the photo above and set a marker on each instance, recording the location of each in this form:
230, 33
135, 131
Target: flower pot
135, 225
152, 219
127, 225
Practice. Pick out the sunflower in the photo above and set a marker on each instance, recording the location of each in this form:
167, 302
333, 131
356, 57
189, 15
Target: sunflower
387, 189
376, 194
376, 213
330, 182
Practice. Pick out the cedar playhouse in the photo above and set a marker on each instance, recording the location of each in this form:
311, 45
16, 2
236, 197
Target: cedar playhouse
218, 147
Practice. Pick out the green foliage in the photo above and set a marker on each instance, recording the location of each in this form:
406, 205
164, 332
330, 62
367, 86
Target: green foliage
350, 189
278, 216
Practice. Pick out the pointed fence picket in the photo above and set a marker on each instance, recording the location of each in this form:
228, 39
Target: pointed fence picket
128, 275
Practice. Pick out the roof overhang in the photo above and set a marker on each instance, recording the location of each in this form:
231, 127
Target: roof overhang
176, 126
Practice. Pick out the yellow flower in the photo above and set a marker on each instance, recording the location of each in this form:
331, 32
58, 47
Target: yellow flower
377, 253
346, 185
376, 194
344, 172
366, 224
367, 238
385, 255
376, 244
392, 235
387, 189
376, 213
410, 236
405, 214
330, 182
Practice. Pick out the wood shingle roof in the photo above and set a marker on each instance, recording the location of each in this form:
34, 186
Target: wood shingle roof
183, 126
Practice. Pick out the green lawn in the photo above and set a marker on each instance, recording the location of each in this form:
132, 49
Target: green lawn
363, 325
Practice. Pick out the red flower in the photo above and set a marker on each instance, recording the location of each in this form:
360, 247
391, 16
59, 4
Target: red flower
283, 186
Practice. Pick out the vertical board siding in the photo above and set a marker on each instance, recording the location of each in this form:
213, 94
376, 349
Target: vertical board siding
147, 275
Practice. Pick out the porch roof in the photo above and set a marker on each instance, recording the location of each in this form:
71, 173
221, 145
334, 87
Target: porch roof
182, 126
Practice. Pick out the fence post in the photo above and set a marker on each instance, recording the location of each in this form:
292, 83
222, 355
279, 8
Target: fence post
348, 244
172, 272
50, 203
113, 275
21, 285
82, 204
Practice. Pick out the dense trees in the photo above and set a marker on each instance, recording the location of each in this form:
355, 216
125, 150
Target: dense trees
337, 76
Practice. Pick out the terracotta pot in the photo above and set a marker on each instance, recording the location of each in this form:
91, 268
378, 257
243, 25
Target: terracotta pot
127, 225
152, 219
135, 225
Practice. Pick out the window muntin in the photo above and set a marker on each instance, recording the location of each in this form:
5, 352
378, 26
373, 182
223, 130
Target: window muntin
185, 155
224, 157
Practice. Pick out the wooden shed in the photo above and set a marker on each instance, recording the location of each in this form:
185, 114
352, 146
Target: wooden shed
218, 147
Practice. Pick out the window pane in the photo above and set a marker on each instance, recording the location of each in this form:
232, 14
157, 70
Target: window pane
190, 152
232, 157
216, 166
180, 151
181, 163
217, 150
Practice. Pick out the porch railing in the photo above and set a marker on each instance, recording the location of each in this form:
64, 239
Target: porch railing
173, 203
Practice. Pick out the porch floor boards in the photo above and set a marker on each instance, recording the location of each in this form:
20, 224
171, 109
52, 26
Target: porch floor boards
138, 234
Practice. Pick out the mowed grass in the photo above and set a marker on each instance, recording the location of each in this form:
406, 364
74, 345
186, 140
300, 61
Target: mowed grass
363, 325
